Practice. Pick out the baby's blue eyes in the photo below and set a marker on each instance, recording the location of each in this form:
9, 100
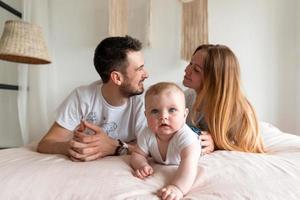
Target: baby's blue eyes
156, 111
171, 110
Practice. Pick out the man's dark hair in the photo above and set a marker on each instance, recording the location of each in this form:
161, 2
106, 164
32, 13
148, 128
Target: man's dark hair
111, 55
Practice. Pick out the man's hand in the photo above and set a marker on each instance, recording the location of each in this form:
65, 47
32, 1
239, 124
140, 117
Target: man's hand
207, 143
170, 192
85, 147
143, 172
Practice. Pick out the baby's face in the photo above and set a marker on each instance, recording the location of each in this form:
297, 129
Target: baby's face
166, 112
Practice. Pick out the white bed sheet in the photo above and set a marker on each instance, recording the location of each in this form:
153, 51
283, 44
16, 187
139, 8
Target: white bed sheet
26, 174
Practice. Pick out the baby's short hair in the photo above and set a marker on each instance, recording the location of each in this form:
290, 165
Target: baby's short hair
160, 87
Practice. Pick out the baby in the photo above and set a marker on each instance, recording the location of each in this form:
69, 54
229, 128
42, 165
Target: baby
167, 139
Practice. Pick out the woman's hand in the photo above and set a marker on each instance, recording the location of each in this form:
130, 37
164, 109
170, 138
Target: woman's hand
207, 143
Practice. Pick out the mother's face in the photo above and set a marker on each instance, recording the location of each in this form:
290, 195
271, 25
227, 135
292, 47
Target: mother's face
193, 77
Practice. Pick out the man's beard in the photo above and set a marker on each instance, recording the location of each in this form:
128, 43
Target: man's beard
128, 91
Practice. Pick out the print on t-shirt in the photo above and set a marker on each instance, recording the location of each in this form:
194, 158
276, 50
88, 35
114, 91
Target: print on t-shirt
109, 128
92, 118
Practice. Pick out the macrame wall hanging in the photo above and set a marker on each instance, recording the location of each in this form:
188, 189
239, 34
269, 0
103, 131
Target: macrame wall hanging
118, 18
194, 26
130, 17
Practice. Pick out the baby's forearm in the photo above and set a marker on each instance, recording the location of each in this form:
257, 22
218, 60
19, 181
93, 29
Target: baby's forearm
184, 178
187, 170
138, 161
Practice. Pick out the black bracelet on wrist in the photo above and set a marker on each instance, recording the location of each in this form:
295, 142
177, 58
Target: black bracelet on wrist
121, 149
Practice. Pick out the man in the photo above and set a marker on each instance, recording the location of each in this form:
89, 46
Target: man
114, 106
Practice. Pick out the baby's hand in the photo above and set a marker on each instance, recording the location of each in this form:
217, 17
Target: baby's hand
143, 172
170, 192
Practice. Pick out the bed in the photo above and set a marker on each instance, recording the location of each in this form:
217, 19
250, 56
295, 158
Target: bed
26, 174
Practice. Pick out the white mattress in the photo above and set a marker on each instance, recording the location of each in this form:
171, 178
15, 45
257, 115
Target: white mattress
26, 174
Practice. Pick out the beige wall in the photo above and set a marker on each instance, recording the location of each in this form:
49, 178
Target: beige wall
263, 35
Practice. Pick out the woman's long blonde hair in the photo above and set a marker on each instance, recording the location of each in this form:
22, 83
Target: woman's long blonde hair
230, 118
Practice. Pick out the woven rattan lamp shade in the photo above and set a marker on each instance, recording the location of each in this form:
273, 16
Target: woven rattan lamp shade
23, 42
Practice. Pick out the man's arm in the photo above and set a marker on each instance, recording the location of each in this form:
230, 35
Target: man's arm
80, 147
56, 141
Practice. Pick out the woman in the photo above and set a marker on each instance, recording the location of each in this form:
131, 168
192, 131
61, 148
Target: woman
217, 103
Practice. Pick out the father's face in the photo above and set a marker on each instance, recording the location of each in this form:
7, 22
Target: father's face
136, 73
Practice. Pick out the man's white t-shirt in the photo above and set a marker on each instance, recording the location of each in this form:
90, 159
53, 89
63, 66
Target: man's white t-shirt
86, 103
184, 137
